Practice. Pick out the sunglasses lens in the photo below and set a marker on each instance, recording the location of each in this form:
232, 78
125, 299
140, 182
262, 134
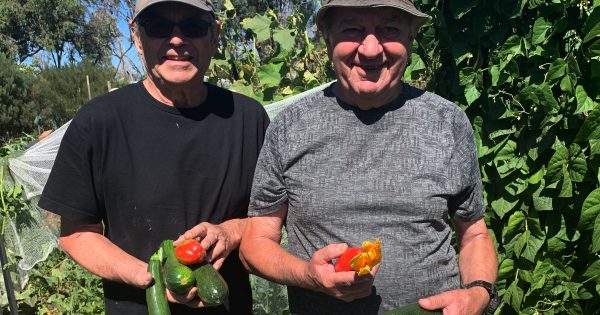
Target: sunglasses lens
158, 28
195, 28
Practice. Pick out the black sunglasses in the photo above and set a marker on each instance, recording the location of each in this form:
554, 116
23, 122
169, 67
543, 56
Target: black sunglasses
163, 28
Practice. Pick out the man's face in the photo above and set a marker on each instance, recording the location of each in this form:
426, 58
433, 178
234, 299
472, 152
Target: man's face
177, 58
369, 48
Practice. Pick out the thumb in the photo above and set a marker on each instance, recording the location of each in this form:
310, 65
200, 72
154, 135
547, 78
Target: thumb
431, 303
330, 252
144, 279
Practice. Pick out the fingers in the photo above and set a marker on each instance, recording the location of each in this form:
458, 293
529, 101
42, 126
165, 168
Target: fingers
329, 252
435, 302
143, 280
198, 232
189, 299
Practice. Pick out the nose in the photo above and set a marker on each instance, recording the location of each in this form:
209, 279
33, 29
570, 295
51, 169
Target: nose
370, 47
177, 37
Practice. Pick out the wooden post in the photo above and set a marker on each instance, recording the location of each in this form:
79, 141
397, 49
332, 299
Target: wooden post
87, 79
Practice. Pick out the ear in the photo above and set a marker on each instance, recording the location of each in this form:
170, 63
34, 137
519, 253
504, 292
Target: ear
135, 34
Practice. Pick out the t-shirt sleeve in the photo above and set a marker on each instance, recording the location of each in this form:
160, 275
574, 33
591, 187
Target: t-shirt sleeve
467, 203
268, 188
69, 191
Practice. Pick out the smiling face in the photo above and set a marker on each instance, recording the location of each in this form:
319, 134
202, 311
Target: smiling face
369, 48
176, 60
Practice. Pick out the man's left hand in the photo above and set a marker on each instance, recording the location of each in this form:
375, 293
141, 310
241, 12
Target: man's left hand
458, 302
218, 240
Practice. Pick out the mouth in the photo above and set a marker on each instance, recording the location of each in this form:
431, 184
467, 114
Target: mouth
371, 68
178, 58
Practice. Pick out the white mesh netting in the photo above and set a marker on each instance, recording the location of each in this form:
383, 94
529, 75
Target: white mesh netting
33, 235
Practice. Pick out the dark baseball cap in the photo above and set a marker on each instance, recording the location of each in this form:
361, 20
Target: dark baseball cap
404, 5
142, 5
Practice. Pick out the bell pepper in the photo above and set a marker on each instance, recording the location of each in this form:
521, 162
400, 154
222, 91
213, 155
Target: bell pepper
360, 259
190, 252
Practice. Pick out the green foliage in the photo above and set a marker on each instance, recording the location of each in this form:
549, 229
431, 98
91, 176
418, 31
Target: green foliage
60, 286
23, 97
526, 72
267, 57
59, 27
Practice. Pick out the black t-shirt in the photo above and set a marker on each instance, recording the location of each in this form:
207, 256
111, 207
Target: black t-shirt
149, 172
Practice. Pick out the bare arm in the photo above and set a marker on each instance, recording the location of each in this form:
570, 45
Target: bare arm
86, 244
262, 254
477, 261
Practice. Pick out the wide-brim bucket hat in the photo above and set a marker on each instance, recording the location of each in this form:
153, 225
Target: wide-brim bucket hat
142, 5
404, 5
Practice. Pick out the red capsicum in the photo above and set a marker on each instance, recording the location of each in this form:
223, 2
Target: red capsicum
360, 259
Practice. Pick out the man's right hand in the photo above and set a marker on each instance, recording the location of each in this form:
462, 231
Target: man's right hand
346, 286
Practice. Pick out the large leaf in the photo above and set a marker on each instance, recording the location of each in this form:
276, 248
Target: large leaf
593, 272
285, 38
540, 30
460, 8
590, 128
554, 172
577, 163
557, 70
514, 225
596, 236
502, 206
270, 74
260, 25
590, 210
514, 295
506, 268
584, 102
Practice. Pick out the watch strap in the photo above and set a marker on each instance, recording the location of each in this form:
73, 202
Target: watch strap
491, 289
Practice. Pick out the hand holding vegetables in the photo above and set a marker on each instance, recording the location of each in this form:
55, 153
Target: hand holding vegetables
218, 239
360, 259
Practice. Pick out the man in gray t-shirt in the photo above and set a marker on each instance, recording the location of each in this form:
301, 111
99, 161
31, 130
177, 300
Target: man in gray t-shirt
371, 157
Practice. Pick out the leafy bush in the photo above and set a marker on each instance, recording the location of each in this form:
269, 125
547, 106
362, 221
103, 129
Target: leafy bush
527, 73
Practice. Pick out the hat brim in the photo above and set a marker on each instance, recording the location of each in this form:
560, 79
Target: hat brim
421, 17
198, 5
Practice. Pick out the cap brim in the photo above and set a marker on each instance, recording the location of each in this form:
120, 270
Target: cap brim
200, 6
420, 16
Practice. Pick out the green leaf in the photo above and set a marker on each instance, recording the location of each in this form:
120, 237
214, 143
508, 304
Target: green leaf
270, 74
521, 243
554, 172
285, 38
514, 225
577, 163
531, 249
540, 31
506, 268
566, 189
584, 102
593, 271
514, 295
557, 70
472, 94
590, 210
593, 33
260, 25
460, 8
591, 127
502, 206
537, 177
596, 236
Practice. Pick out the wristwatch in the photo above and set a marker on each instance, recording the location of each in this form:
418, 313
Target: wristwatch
491, 289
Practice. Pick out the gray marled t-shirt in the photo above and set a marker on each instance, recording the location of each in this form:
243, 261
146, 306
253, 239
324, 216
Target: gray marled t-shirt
398, 172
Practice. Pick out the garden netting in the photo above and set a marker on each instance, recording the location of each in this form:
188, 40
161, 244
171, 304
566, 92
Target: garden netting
31, 235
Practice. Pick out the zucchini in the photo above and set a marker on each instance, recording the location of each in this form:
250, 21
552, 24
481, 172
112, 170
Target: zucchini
178, 278
156, 297
412, 309
212, 288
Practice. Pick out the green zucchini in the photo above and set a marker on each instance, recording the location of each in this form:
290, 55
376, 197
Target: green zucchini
156, 297
178, 278
412, 309
212, 288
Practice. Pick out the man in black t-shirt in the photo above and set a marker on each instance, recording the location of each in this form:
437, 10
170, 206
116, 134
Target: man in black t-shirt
157, 158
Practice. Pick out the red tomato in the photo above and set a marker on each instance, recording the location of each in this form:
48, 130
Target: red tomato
190, 252
343, 263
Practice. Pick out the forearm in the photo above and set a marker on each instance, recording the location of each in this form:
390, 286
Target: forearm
266, 258
235, 228
477, 259
96, 253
